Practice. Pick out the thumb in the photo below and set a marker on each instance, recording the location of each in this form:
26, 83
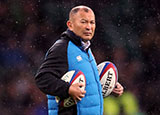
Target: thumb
80, 85
82, 89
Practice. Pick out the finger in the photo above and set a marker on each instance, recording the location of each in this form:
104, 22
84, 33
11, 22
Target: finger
118, 90
118, 87
115, 92
79, 99
82, 95
118, 84
121, 91
83, 91
75, 100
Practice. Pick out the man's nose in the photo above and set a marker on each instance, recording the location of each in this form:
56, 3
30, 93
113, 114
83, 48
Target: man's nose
88, 26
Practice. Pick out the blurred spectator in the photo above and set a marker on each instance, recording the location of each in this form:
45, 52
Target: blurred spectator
129, 72
12, 56
150, 42
128, 33
127, 104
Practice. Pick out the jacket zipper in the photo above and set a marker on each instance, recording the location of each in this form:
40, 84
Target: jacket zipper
95, 80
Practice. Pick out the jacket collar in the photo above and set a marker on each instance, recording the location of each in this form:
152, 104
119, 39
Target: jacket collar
76, 39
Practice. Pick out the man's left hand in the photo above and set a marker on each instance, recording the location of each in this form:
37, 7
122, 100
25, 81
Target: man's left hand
118, 90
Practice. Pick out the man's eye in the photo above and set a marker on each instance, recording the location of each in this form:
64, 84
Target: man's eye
92, 22
83, 22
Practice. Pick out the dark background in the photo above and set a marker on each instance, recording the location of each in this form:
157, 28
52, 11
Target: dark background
127, 34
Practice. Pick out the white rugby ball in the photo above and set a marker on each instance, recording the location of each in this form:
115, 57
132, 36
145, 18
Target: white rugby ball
108, 74
72, 77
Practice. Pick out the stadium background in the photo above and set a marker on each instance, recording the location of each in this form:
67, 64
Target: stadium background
127, 33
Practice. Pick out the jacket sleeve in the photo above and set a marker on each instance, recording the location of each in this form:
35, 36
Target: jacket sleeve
54, 66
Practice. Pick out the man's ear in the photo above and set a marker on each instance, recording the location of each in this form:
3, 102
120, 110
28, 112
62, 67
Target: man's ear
69, 24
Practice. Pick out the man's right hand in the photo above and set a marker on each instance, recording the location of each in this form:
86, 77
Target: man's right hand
76, 92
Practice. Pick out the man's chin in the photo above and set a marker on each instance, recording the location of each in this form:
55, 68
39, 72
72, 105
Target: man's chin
87, 38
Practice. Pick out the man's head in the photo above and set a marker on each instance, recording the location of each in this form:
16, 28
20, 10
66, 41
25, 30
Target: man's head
82, 22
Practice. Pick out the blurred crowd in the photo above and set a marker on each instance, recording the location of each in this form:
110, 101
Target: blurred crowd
127, 34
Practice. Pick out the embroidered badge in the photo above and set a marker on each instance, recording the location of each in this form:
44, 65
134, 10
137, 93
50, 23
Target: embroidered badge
79, 58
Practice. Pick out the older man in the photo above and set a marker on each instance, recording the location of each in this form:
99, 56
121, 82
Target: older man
72, 52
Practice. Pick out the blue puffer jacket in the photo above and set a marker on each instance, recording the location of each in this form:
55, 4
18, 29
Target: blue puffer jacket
71, 53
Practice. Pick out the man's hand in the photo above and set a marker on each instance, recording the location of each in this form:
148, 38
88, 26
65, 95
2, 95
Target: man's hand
118, 90
76, 92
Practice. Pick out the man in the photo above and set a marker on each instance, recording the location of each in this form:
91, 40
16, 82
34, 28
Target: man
72, 52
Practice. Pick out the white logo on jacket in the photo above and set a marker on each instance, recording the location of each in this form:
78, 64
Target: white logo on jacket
79, 58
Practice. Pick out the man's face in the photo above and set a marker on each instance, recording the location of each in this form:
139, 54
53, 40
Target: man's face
83, 24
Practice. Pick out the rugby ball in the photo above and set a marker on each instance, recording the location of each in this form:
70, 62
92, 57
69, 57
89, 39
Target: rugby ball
108, 74
72, 77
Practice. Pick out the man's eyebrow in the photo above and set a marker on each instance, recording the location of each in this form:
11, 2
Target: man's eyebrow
87, 20
93, 20
84, 19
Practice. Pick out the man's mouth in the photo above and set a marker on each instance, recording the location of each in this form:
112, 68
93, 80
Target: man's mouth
87, 33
